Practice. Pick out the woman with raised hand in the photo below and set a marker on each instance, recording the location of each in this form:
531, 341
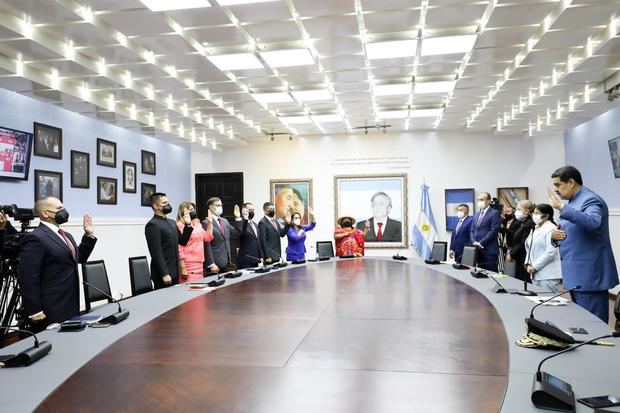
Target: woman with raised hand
192, 255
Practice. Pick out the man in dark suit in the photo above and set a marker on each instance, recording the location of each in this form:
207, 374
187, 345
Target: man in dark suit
382, 228
250, 248
460, 235
270, 231
218, 254
48, 272
163, 239
483, 232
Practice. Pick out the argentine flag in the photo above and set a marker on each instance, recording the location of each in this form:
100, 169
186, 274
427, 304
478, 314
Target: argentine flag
424, 232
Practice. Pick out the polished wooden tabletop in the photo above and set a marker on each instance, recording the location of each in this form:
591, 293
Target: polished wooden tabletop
338, 336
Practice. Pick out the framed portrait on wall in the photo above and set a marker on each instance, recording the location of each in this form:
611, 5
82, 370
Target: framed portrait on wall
106, 153
149, 166
614, 153
80, 170
292, 195
146, 190
47, 183
106, 190
512, 196
380, 200
47, 141
454, 198
129, 177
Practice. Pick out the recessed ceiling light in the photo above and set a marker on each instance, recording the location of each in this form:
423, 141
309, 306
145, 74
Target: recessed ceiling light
434, 87
386, 50
310, 95
426, 113
393, 114
235, 2
163, 5
448, 45
277, 97
388, 90
289, 57
327, 118
237, 61
295, 120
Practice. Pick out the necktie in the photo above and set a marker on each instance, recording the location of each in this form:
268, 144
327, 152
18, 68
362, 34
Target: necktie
253, 229
221, 226
379, 233
458, 226
273, 222
481, 217
68, 242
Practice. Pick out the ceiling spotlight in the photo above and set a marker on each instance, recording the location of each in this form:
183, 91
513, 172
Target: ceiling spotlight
272, 138
290, 138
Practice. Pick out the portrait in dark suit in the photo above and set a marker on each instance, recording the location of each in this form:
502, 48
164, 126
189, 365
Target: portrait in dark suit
382, 228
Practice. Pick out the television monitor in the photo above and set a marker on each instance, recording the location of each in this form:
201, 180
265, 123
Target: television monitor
614, 152
440, 251
15, 150
469, 256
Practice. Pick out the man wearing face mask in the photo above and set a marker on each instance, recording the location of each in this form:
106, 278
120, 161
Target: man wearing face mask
460, 235
250, 249
48, 278
218, 254
483, 232
270, 231
163, 239
516, 251
583, 237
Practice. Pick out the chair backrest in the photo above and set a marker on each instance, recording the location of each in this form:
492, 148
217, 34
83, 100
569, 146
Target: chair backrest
140, 275
440, 251
94, 273
510, 268
325, 249
470, 255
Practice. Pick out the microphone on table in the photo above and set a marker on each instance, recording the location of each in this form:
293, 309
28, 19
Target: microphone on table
28, 356
280, 263
547, 329
227, 274
481, 272
552, 393
458, 265
259, 270
399, 257
115, 318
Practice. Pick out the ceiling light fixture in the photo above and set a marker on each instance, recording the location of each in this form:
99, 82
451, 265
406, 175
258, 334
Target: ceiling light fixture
386, 50
434, 87
448, 45
277, 97
237, 61
286, 58
165, 5
392, 90
312, 95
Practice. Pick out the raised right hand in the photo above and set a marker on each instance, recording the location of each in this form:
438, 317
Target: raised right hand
237, 212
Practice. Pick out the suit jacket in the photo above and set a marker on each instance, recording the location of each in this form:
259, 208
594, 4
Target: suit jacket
48, 277
486, 232
218, 251
586, 255
250, 248
393, 231
461, 238
510, 231
270, 238
517, 249
163, 239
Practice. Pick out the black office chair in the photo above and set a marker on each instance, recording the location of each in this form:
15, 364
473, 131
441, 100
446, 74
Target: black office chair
94, 273
140, 276
324, 249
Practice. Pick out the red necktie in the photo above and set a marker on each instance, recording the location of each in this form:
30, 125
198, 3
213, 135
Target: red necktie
221, 226
274, 224
379, 233
68, 242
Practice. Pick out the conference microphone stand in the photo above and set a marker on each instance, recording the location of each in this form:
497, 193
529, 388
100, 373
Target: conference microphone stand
280, 263
259, 270
28, 356
546, 328
227, 274
115, 318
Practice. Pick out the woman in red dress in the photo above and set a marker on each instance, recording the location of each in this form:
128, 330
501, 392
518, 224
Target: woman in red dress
349, 240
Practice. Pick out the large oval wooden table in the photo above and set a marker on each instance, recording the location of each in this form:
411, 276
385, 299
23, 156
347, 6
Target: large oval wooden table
340, 336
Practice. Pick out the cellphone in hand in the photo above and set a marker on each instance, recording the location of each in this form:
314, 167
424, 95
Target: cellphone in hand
600, 401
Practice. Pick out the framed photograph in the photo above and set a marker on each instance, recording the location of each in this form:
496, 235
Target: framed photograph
148, 163
106, 153
146, 190
614, 152
47, 183
129, 177
80, 170
454, 198
379, 199
106, 190
47, 141
292, 195
512, 196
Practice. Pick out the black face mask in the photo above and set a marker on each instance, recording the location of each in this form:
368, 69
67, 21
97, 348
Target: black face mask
271, 213
193, 215
251, 215
61, 216
346, 224
166, 209
509, 217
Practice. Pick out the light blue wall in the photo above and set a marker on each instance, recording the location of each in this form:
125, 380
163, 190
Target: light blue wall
80, 133
586, 148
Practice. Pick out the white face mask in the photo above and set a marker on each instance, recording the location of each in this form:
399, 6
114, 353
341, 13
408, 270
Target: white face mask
219, 210
460, 214
537, 218
482, 204
519, 215
297, 221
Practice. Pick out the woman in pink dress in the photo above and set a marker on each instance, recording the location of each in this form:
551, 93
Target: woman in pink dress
192, 255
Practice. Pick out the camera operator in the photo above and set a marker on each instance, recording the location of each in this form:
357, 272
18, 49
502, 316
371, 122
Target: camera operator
6, 229
49, 257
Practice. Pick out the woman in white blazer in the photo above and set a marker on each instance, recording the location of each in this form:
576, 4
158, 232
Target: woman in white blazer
542, 261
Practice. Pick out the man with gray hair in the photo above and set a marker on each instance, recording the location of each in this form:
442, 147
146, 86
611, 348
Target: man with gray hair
382, 228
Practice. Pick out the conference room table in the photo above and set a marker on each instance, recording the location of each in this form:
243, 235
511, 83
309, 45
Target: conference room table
344, 335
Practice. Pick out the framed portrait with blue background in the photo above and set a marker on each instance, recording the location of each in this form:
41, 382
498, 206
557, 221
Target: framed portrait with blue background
454, 198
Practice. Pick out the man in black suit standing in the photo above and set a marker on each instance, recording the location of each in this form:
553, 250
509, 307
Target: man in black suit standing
483, 233
48, 272
250, 248
270, 231
163, 239
382, 228
218, 254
